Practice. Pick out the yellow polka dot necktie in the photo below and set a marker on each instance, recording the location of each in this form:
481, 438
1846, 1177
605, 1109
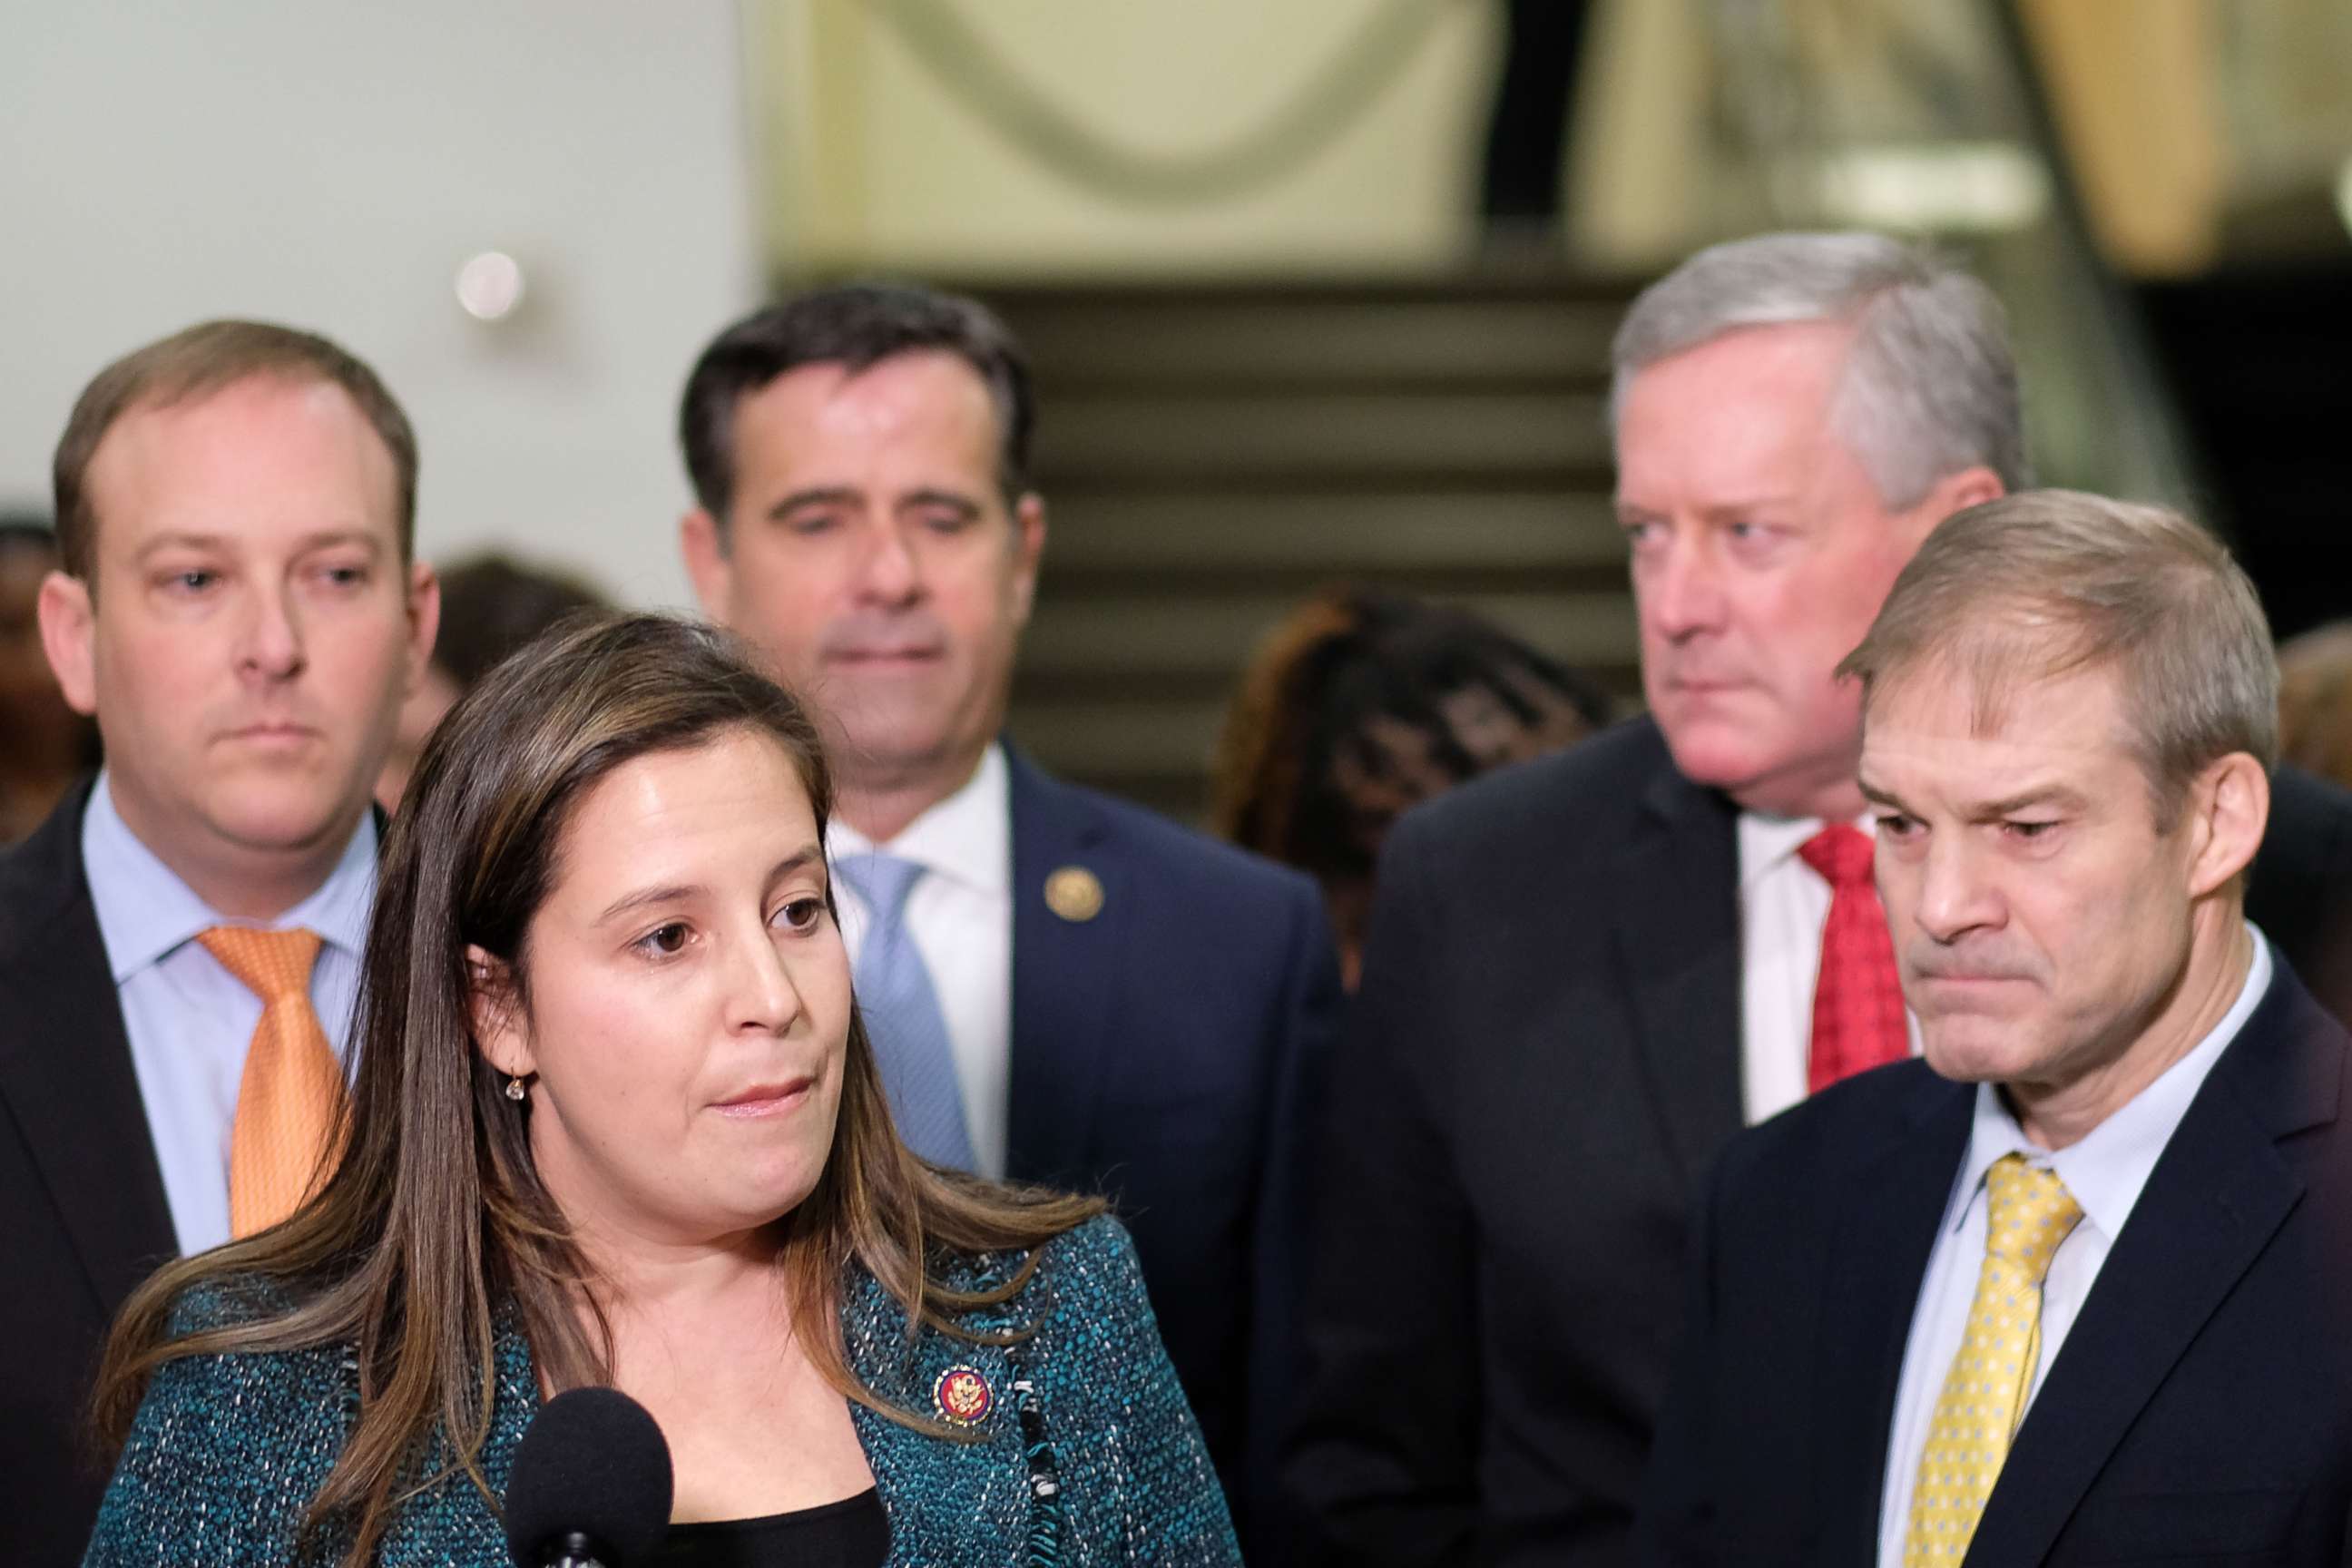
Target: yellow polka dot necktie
292, 1086
2028, 1212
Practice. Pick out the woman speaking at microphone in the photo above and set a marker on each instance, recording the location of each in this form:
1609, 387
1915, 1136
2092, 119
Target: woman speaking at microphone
616, 1122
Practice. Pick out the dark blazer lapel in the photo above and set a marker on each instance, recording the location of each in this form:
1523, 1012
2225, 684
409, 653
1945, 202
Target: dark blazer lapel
1894, 1201
1679, 938
2218, 1194
1062, 973
66, 1075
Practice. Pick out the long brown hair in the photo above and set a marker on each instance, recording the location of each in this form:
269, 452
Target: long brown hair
434, 1218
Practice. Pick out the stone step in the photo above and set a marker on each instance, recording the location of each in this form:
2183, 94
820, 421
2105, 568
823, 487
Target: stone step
1215, 634
1381, 532
1265, 343
1163, 439
1212, 453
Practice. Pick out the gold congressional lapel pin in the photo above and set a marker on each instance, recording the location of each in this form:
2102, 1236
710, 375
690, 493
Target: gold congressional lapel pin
1075, 893
962, 1397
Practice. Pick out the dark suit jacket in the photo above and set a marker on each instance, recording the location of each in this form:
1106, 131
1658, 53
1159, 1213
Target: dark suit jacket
1543, 1064
1163, 1052
2200, 1408
82, 1213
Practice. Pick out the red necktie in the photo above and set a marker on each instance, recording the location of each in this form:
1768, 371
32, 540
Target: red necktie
1858, 1020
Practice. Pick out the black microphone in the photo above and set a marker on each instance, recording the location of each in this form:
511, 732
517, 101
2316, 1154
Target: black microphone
591, 1487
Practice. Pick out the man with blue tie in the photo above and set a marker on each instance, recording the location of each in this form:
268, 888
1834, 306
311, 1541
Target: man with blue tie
1063, 988
179, 943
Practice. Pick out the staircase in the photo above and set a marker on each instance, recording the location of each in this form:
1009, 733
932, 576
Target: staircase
1209, 454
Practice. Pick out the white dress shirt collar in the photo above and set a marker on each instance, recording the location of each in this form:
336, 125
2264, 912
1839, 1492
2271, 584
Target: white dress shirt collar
2108, 1168
966, 838
1766, 843
145, 912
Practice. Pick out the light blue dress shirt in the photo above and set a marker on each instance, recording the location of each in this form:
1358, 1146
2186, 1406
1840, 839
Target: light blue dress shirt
2104, 1173
190, 1021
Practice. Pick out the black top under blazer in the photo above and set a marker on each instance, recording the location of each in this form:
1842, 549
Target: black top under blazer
2199, 1410
1544, 1062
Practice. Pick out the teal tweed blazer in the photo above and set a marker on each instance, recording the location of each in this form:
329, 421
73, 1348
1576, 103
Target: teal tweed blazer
1088, 1453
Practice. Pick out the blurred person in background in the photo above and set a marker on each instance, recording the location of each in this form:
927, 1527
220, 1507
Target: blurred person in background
1522, 171
45, 745
1064, 989
491, 605
1585, 976
2316, 701
2316, 735
1362, 704
239, 606
617, 1123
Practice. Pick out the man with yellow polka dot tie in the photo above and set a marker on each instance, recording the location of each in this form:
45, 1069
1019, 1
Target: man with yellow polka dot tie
2028, 1215
2071, 1288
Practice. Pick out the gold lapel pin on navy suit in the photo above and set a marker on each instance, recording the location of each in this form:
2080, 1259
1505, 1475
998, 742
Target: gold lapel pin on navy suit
1075, 893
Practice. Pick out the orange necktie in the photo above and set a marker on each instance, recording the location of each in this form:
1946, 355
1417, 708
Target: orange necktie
292, 1086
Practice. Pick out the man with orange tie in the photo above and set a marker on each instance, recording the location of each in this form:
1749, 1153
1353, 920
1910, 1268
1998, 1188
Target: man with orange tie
240, 609
1584, 976
2070, 1289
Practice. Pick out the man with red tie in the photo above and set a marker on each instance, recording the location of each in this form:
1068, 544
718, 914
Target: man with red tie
240, 607
1586, 975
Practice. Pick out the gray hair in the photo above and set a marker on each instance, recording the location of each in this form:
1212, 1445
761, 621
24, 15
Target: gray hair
1930, 387
2046, 582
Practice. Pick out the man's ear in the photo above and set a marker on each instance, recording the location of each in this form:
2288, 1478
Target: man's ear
424, 622
495, 1012
69, 629
703, 542
1970, 486
1029, 548
1953, 493
2229, 807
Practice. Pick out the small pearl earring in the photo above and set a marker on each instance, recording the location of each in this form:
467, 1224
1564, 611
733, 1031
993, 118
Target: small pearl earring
515, 1090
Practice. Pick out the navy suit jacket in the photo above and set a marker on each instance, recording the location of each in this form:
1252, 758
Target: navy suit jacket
1163, 1052
2199, 1410
83, 1217
83, 1213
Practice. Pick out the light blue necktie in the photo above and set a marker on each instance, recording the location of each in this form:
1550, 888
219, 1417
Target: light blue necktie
902, 1014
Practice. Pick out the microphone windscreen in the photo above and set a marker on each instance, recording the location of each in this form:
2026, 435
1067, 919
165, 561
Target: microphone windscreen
593, 1462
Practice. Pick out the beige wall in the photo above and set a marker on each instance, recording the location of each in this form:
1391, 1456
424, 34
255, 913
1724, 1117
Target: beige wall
2132, 83
167, 163
871, 163
874, 166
